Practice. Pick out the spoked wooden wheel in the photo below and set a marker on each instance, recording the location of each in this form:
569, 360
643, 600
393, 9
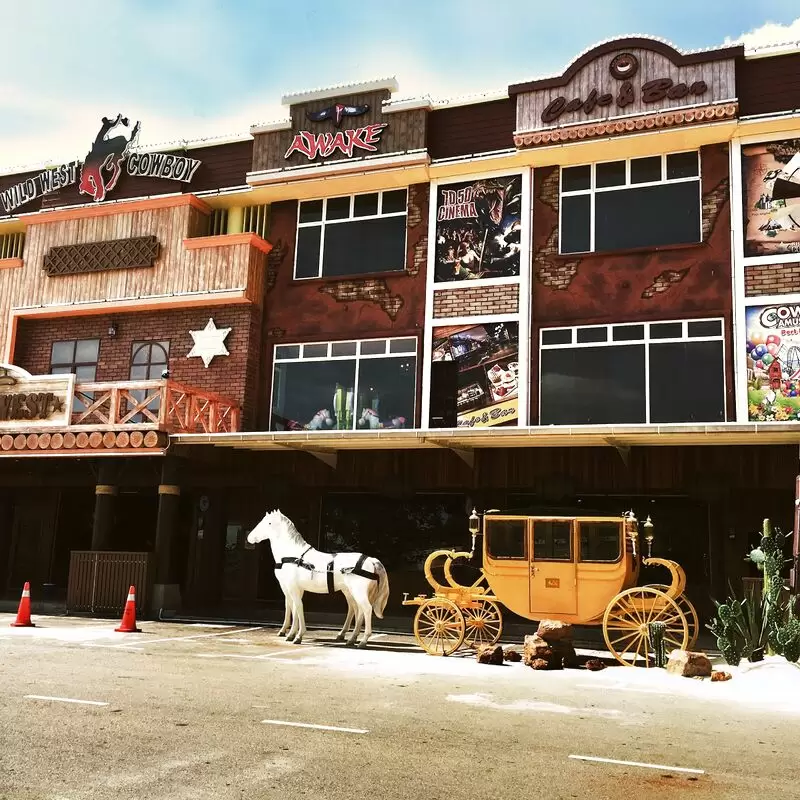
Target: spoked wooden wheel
685, 605
439, 627
484, 623
627, 620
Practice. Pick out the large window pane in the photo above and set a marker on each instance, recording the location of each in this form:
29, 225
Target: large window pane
86, 351
364, 246
506, 538
386, 390
600, 541
574, 179
313, 395
576, 224
687, 382
593, 385
307, 258
63, 352
646, 217
552, 540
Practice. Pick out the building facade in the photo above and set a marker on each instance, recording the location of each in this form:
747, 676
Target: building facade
580, 294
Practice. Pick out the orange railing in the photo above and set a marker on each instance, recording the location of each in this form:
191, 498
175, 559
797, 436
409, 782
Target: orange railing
160, 404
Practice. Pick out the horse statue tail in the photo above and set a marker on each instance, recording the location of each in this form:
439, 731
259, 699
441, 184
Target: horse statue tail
379, 603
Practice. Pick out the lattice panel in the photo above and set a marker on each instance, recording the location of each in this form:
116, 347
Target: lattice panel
141, 251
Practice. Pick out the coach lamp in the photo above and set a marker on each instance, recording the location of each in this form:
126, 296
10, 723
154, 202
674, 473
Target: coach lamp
475, 526
648, 536
631, 531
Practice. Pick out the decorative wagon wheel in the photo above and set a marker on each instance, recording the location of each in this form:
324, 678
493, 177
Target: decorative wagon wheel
439, 626
627, 620
685, 605
484, 623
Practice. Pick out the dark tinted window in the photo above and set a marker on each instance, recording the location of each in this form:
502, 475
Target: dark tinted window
575, 224
387, 387
363, 246
647, 217
365, 205
610, 174
600, 541
394, 202
681, 165
666, 330
687, 382
628, 333
338, 208
712, 327
552, 540
311, 211
562, 336
307, 258
593, 385
599, 334
506, 538
575, 178
646, 170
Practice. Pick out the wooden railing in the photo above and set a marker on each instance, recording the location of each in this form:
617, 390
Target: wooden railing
160, 404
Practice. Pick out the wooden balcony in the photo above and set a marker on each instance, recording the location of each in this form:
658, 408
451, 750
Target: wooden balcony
156, 405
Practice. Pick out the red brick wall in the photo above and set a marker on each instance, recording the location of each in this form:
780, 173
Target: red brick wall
234, 376
772, 279
476, 300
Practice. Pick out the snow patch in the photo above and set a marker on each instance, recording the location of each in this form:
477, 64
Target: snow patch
485, 701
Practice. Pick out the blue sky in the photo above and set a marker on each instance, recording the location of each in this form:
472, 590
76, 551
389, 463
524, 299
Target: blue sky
197, 68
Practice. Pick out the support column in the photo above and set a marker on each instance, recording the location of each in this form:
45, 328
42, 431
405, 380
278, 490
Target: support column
166, 594
235, 220
105, 494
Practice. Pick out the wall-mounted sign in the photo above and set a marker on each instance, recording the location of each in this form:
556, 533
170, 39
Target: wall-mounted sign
209, 342
771, 180
347, 142
99, 172
773, 363
34, 400
478, 229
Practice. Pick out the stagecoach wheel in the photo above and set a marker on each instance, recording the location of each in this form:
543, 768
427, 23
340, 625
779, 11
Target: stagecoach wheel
484, 623
439, 627
627, 620
685, 605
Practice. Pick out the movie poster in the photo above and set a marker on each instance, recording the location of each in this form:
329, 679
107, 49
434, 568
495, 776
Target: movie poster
479, 229
488, 371
773, 363
771, 179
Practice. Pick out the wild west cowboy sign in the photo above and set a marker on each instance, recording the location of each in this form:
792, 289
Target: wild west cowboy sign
99, 172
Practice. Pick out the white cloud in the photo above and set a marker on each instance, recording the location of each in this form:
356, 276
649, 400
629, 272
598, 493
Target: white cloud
769, 34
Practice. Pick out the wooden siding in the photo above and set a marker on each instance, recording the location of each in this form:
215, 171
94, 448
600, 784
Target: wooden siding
718, 74
405, 131
177, 270
768, 85
471, 129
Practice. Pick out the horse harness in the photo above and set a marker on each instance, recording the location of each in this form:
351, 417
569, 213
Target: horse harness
358, 569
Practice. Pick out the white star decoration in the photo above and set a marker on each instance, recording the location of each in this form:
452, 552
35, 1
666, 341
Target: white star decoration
209, 342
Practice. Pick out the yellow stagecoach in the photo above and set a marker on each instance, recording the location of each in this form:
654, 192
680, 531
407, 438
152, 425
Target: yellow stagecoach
582, 570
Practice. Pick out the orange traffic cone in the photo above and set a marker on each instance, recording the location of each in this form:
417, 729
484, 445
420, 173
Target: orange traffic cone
128, 624
23, 619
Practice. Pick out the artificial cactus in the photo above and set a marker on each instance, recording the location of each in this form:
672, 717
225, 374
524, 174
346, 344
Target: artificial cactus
656, 634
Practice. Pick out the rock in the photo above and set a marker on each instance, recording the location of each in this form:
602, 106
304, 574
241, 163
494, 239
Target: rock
719, 675
535, 647
538, 663
489, 654
551, 630
594, 665
512, 655
689, 664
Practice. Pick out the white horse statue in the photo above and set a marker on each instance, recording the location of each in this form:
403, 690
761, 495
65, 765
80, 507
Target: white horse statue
301, 568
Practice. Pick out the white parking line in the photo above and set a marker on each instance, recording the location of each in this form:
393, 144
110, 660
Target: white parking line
64, 700
639, 764
315, 727
194, 636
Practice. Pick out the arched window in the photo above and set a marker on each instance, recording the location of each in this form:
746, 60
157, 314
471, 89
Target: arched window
149, 360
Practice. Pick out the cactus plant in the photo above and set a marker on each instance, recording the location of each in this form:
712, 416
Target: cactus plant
656, 634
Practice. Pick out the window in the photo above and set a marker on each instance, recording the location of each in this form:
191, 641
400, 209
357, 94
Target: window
600, 541
552, 540
351, 235
77, 356
658, 372
506, 538
638, 202
351, 385
149, 360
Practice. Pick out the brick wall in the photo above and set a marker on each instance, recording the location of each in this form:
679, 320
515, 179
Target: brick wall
772, 279
476, 300
234, 376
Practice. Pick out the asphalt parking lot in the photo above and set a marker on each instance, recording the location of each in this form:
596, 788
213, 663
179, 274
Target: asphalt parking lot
199, 711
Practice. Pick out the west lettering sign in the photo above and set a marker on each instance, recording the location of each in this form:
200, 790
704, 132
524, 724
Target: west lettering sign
99, 172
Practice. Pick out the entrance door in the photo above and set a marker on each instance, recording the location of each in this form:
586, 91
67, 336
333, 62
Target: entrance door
553, 587
32, 542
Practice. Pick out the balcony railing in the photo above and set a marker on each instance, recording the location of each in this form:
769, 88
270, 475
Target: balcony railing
160, 404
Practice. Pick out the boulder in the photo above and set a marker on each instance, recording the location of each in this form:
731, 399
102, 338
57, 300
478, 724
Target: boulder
489, 654
594, 665
551, 630
538, 663
689, 664
535, 647
719, 675
512, 655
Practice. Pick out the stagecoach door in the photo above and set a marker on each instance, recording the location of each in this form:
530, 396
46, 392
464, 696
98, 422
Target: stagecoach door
553, 587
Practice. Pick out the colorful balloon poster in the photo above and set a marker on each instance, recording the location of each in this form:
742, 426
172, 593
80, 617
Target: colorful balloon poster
773, 363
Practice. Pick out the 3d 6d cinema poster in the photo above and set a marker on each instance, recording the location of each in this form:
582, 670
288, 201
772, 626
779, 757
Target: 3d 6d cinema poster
773, 363
478, 229
771, 180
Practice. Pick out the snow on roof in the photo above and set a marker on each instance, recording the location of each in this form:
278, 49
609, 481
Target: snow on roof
329, 92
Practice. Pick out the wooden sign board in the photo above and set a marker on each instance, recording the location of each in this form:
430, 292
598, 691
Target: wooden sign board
34, 401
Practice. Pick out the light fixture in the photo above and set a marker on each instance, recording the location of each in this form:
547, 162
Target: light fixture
474, 523
112, 328
648, 536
